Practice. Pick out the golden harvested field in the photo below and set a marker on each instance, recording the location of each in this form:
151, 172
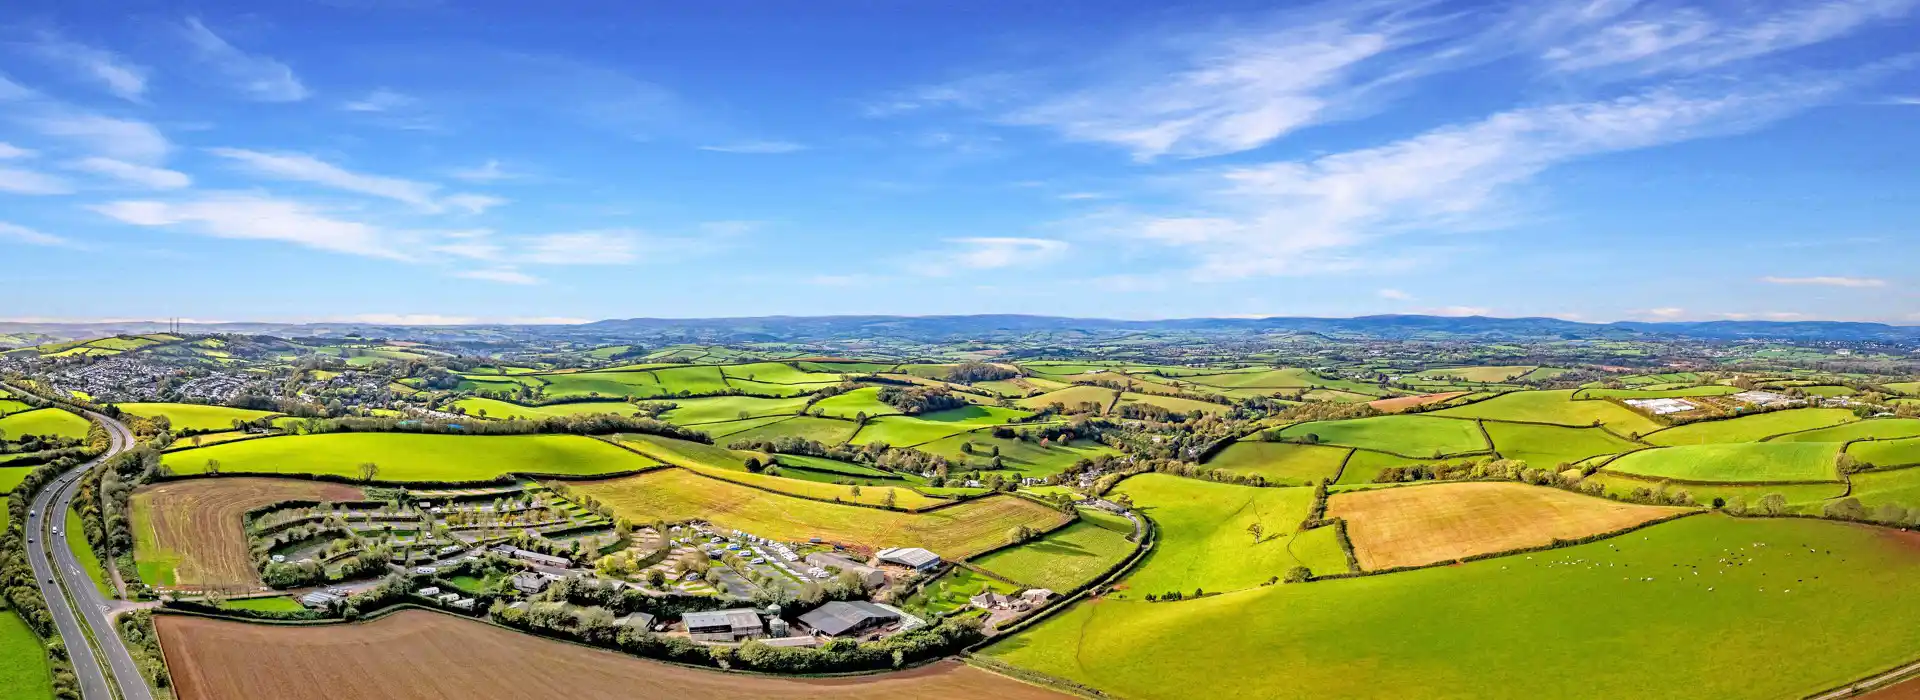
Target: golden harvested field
1414, 525
954, 532
418, 654
1402, 403
190, 533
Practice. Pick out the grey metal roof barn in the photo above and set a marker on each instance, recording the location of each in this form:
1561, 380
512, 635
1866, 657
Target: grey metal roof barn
910, 556
841, 617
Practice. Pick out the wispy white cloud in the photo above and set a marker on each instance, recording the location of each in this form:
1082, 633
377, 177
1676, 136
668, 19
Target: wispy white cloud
259, 77
756, 147
608, 247
1660, 38
133, 173
503, 275
985, 253
24, 181
1394, 294
124, 139
1665, 313
489, 171
22, 234
1854, 282
9, 151
247, 216
300, 167
380, 100
1082, 196
119, 77
473, 203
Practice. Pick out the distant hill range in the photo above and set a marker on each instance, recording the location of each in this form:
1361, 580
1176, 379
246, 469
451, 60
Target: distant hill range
1008, 326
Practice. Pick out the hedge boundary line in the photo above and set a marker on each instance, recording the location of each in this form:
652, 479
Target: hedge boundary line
505, 478
1113, 574
1555, 544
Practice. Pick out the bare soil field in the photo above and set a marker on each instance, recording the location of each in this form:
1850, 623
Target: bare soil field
1414, 525
417, 654
195, 527
1402, 403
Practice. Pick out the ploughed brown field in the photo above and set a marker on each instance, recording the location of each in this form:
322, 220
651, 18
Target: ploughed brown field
418, 654
1402, 403
198, 524
1414, 525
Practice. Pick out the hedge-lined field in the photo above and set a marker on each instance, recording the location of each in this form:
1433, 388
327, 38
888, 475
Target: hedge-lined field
954, 532
1751, 428
1887, 453
1063, 560
1743, 461
413, 456
1204, 540
493, 408
1415, 435
1281, 463
1577, 622
1547, 446
45, 422
1415, 525
727, 408
1555, 407
1876, 429
23, 661
190, 416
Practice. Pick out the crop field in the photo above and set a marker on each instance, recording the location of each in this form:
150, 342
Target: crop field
1416, 435
827, 430
1555, 407
1414, 525
1281, 463
23, 661
1887, 453
420, 654
684, 453
1402, 403
954, 532
277, 603
1174, 403
855, 402
1063, 560
1751, 428
907, 431
1872, 429
1756, 461
45, 422
188, 416
1072, 397
493, 408
1547, 446
1020, 386
1663, 612
867, 495
1483, 375
413, 457
189, 533
1204, 541
836, 467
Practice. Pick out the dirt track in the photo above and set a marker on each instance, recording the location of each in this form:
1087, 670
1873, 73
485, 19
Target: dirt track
1412, 525
416, 654
200, 522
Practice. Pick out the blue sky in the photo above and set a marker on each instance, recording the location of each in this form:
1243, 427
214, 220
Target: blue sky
450, 161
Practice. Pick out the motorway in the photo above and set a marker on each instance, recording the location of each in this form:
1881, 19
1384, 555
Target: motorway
60, 576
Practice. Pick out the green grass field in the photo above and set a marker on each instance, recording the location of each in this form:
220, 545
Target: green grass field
1415, 435
1750, 428
827, 430
1363, 466
853, 403
1173, 403
24, 674
1887, 453
187, 416
685, 453
1875, 429
76, 538
1555, 407
1281, 463
1901, 486
45, 422
1801, 498
11, 477
273, 604
504, 410
1483, 375
907, 431
413, 457
1579, 622
1827, 391
1203, 537
1908, 388
1063, 560
953, 589
11, 406
1547, 446
1016, 456
1072, 397
1735, 462
1681, 392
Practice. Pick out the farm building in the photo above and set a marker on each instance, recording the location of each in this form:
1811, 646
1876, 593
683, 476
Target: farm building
530, 583
319, 599
871, 577
1026, 600
733, 625
1661, 407
843, 618
640, 621
911, 557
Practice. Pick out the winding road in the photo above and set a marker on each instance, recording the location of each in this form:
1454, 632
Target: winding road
67, 587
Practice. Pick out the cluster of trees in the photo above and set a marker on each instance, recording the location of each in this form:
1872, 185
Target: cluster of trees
873, 454
915, 400
1319, 411
1890, 514
295, 574
594, 424
970, 372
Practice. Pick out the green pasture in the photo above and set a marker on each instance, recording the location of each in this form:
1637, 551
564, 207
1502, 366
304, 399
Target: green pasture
1364, 465
1827, 391
1750, 428
827, 430
1734, 462
1900, 486
505, 410
778, 373
728, 429
1801, 498
1203, 537
725, 408
865, 400
1555, 407
1412, 435
1873, 429
24, 674
1677, 622
1173, 403
684, 452
953, 590
907, 431
44, 422
1908, 388
1547, 446
10, 477
413, 457
1071, 398
1676, 393
1483, 375
10, 406
1281, 463
271, 604
74, 530
1018, 456
1887, 453
1063, 560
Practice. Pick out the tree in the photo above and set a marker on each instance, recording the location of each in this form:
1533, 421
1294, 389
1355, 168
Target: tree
1845, 509
1773, 504
368, 470
213, 466
1298, 574
1256, 530
1020, 533
889, 500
